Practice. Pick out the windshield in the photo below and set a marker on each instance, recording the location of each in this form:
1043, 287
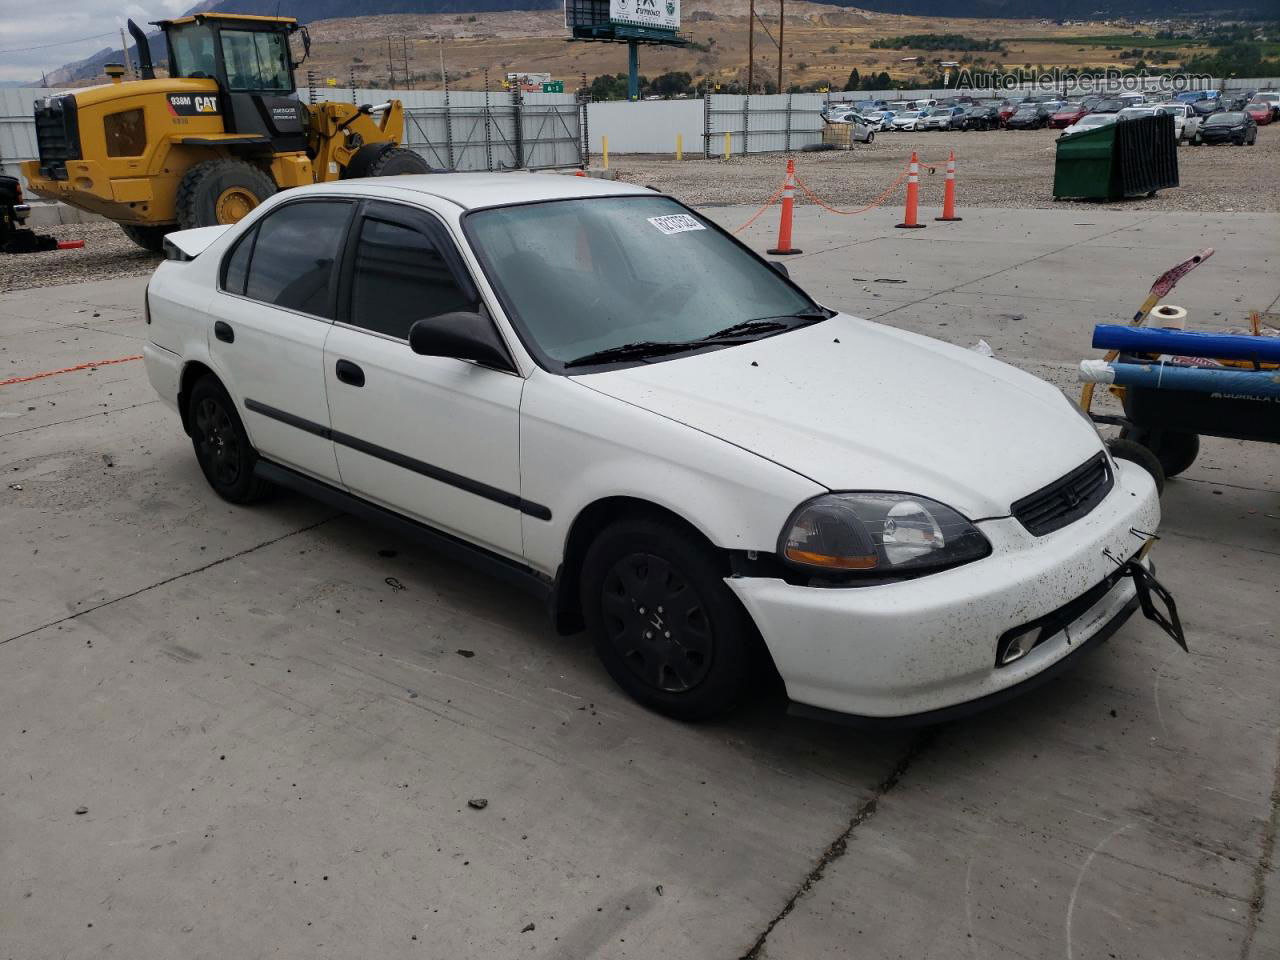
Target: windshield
256, 60
191, 52
1096, 119
909, 114
585, 275
1224, 119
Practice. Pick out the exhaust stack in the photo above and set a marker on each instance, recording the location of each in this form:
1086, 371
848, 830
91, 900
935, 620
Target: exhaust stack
146, 69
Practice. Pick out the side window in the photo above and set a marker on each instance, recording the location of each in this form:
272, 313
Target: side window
292, 262
399, 277
235, 268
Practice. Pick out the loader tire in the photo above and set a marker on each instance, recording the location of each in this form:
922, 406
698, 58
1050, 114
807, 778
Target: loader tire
395, 161
147, 237
220, 192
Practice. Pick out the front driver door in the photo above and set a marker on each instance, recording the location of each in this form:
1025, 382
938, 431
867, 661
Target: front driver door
435, 438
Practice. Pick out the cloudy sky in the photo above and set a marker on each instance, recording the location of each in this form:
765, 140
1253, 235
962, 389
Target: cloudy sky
38, 35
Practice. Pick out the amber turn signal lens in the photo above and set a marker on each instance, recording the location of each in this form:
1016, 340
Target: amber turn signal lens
831, 563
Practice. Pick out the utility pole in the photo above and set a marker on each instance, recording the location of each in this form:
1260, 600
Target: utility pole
408, 74
751, 45
391, 66
782, 22
444, 76
128, 62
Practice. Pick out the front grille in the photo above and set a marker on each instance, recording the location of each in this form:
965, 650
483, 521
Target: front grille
1067, 499
57, 135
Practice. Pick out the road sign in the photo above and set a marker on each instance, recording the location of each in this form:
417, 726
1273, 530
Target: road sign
553, 86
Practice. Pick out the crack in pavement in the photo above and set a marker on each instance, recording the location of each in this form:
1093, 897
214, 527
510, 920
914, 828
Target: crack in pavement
87, 416
840, 845
167, 580
1266, 859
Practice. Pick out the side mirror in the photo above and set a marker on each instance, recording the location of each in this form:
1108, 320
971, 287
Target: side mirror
463, 334
781, 268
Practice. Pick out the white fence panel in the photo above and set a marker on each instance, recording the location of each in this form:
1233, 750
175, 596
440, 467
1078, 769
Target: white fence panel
646, 126
762, 124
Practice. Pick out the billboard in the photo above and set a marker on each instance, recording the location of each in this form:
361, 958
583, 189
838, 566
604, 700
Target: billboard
656, 14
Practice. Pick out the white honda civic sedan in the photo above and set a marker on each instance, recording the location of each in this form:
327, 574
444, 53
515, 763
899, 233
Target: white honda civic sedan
599, 395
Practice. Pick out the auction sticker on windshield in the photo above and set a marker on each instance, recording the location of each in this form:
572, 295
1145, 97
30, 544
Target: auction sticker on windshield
676, 223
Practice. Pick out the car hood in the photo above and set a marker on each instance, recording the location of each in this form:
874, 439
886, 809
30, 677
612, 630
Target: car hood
855, 405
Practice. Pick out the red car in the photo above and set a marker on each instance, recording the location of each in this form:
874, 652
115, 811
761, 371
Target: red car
1069, 114
1260, 110
1007, 110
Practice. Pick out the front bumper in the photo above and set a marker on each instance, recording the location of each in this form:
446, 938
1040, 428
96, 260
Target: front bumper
903, 649
88, 186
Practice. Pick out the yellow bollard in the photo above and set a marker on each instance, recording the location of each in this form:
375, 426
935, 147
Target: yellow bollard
679, 146
604, 143
726, 144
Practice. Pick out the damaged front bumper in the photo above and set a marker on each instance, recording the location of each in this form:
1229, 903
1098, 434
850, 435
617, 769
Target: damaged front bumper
924, 650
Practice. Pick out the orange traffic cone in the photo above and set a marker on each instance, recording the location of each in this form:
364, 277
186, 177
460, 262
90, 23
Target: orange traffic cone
788, 204
949, 191
913, 195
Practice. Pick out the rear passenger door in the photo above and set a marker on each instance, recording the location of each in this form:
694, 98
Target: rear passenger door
436, 438
273, 310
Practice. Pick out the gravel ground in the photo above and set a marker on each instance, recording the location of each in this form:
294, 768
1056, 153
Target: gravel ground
999, 168
106, 253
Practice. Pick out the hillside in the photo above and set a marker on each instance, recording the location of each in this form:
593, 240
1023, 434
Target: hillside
824, 43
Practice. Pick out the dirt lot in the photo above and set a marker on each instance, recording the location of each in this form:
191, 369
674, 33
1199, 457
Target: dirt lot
1000, 168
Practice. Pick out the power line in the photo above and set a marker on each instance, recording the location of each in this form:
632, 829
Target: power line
60, 43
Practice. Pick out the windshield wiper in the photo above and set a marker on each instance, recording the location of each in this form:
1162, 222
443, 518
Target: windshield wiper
632, 351
766, 325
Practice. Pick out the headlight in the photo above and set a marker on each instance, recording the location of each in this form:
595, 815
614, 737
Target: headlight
878, 534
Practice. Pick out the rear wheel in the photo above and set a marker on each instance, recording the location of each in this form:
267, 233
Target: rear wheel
221, 191
222, 446
147, 237
664, 624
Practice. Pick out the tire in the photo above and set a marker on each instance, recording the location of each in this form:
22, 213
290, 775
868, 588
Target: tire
1123, 449
223, 450
871, 136
397, 161
220, 191
147, 237
1175, 451
709, 655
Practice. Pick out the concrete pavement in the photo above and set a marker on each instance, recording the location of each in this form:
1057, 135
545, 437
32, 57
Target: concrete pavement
275, 716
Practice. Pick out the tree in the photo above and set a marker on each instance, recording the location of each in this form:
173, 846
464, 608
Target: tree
854, 80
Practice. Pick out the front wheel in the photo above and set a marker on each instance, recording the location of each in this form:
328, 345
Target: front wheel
147, 237
665, 625
221, 191
871, 136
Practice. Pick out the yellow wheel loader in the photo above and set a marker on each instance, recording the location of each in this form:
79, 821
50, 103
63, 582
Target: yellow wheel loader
209, 143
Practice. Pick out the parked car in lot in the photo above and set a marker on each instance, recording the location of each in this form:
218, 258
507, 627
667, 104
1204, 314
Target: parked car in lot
939, 118
981, 117
1109, 105
1090, 121
882, 118
863, 129
1185, 120
906, 119
1272, 97
1259, 111
658, 435
1067, 114
1208, 107
1228, 127
1029, 116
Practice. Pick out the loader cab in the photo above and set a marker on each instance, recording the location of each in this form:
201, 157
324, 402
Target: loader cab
249, 58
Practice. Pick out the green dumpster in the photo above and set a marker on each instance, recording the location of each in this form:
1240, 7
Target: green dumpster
1128, 158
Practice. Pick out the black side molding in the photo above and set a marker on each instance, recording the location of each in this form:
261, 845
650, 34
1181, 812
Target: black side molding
478, 558
504, 497
240, 141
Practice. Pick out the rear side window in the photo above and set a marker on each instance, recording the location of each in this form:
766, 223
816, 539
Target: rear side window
400, 277
288, 259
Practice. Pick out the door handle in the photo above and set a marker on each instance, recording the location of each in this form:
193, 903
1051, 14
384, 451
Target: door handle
222, 330
349, 373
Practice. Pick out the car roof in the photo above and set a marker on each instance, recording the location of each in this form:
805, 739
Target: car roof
473, 190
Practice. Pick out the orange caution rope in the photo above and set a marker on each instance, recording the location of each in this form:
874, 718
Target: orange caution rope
78, 366
767, 204
848, 213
